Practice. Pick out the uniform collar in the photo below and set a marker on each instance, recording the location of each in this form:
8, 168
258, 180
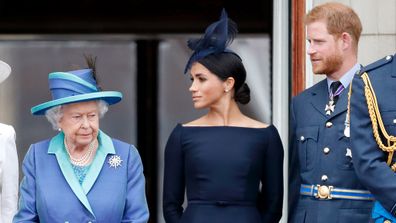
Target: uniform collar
106, 147
346, 79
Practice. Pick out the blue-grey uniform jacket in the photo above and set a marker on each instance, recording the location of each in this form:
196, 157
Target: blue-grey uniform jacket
369, 159
319, 154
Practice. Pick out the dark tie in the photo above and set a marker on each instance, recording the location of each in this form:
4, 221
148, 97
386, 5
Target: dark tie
336, 90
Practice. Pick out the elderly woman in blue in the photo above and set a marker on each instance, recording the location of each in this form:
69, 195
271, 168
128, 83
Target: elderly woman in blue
81, 174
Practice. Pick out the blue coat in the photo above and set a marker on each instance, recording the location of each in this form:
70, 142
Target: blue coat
50, 191
317, 155
370, 160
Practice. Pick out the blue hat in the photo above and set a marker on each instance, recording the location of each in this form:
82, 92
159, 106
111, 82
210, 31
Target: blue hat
217, 37
74, 86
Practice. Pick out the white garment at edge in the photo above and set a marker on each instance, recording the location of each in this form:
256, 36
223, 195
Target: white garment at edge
8, 174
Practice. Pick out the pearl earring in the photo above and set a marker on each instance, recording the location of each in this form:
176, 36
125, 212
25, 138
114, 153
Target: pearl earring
59, 129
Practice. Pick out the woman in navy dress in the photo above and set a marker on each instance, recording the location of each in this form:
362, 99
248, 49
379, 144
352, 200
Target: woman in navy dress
230, 165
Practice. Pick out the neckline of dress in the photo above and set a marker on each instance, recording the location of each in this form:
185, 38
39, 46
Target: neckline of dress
224, 126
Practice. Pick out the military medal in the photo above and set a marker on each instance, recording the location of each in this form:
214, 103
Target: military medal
336, 89
330, 107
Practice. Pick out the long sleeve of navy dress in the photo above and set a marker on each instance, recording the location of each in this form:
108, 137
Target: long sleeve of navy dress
230, 174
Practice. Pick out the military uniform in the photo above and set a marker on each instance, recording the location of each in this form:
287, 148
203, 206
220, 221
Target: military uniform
323, 186
373, 128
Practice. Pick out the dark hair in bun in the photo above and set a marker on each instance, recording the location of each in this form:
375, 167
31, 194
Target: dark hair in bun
225, 65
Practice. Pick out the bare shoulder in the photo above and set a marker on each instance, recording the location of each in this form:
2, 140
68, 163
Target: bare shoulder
197, 122
242, 121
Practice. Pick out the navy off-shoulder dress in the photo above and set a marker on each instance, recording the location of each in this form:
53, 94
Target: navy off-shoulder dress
221, 168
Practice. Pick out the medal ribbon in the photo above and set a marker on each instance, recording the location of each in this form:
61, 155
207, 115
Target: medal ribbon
337, 92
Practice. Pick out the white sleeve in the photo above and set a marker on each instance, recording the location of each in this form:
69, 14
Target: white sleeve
9, 175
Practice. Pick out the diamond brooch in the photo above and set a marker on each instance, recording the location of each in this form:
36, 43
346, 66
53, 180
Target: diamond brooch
115, 161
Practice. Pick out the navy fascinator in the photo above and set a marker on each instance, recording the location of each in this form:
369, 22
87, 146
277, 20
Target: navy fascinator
217, 37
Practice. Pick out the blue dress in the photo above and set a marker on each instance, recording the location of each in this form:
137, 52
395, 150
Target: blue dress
221, 168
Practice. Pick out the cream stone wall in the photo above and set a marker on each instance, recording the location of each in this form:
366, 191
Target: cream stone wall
379, 29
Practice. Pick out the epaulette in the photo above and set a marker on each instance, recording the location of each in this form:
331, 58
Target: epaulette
376, 64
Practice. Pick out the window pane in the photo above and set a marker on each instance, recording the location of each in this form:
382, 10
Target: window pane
32, 61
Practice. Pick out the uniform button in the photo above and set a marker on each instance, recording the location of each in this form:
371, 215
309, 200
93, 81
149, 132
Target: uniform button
394, 121
302, 138
388, 58
324, 178
387, 221
329, 124
326, 150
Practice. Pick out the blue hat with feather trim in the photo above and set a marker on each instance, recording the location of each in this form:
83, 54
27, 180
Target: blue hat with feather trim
74, 86
218, 36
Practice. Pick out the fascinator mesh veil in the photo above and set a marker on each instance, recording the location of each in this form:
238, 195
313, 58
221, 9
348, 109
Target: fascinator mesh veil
217, 37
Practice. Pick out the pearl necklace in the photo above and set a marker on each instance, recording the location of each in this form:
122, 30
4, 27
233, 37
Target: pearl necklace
84, 159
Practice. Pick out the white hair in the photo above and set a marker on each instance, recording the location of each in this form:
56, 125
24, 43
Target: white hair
54, 114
